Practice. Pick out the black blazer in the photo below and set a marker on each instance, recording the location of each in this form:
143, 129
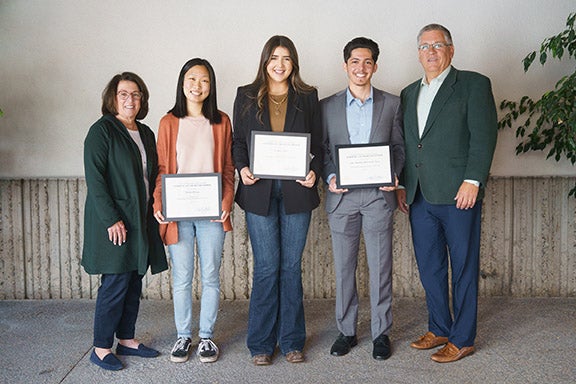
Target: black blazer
303, 116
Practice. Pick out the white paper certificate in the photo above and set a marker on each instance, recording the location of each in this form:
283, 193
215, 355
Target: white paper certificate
280, 155
191, 196
364, 165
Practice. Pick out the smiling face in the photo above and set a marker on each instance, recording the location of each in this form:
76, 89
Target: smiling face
434, 61
360, 67
196, 84
128, 98
279, 66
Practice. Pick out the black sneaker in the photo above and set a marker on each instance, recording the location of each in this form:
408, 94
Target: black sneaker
181, 350
207, 351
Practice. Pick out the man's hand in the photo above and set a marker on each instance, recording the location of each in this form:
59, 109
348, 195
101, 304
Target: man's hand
332, 186
466, 196
401, 198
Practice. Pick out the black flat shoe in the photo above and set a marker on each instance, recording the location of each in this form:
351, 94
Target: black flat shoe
343, 345
142, 351
382, 349
109, 362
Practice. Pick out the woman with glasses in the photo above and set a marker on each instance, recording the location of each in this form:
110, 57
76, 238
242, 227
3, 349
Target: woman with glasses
277, 211
121, 237
195, 138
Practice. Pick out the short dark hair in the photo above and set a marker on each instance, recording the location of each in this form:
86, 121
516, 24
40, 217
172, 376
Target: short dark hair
210, 105
435, 27
361, 42
109, 94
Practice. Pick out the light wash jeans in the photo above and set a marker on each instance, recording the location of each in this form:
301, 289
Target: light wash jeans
209, 238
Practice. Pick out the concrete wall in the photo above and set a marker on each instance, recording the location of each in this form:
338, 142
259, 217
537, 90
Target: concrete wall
528, 245
56, 57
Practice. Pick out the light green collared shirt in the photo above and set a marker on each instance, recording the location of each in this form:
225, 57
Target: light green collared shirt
426, 97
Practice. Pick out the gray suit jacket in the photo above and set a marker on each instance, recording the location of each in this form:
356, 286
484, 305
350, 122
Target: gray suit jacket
387, 128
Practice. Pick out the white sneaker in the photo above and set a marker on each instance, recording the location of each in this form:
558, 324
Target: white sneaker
207, 351
181, 350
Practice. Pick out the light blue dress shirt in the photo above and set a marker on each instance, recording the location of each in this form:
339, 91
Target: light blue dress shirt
358, 120
359, 117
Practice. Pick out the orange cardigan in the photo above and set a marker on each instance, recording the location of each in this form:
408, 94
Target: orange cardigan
167, 135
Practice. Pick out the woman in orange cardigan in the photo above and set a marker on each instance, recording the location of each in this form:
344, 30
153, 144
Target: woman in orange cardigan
195, 137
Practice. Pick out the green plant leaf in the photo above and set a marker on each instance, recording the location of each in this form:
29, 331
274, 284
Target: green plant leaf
549, 122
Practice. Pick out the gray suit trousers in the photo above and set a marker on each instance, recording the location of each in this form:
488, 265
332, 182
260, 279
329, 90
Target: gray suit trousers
367, 211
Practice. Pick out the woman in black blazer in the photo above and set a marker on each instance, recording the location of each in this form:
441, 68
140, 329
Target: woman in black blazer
277, 211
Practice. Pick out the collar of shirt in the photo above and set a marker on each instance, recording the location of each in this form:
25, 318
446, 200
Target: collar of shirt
426, 97
350, 98
359, 117
438, 79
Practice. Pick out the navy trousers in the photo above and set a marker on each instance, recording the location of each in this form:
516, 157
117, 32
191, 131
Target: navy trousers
443, 234
117, 308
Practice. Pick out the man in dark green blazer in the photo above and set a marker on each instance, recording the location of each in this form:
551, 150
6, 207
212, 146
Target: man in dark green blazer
450, 129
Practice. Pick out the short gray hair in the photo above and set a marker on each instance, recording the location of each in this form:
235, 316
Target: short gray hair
435, 27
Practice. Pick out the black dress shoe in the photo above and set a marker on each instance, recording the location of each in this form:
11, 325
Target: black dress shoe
382, 349
343, 344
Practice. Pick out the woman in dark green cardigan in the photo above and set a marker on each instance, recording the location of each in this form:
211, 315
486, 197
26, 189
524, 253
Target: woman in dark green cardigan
121, 238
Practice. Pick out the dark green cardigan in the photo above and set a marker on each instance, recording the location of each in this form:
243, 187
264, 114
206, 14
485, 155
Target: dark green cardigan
116, 191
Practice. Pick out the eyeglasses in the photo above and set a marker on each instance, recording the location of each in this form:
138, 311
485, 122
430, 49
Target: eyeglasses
123, 95
436, 46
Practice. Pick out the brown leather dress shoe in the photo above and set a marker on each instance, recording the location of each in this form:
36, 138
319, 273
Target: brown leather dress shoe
429, 340
262, 360
295, 357
450, 353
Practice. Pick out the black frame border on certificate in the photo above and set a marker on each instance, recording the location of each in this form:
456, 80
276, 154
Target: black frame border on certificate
218, 182
341, 185
282, 177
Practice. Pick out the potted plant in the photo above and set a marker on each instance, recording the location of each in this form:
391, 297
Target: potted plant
549, 122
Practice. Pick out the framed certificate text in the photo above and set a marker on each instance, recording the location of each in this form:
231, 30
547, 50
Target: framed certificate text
191, 196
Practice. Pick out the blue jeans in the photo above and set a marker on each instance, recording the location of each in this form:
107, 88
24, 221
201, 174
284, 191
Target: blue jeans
209, 237
276, 313
117, 307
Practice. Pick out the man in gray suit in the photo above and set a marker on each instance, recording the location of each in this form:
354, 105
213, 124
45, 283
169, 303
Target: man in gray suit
362, 114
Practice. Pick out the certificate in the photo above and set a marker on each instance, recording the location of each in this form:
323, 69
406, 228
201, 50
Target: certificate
364, 165
189, 196
280, 155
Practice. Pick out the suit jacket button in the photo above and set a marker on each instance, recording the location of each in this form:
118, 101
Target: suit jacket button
419, 146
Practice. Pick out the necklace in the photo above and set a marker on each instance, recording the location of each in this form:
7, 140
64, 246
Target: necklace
277, 104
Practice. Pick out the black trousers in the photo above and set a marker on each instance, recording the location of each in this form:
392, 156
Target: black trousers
117, 307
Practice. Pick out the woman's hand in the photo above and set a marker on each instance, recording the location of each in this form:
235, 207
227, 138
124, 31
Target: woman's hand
117, 233
309, 181
247, 176
223, 218
160, 217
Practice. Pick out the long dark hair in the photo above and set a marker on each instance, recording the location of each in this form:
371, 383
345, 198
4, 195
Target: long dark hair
260, 83
209, 106
109, 94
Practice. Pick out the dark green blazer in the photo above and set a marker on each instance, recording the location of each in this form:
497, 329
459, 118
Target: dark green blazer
116, 191
458, 141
